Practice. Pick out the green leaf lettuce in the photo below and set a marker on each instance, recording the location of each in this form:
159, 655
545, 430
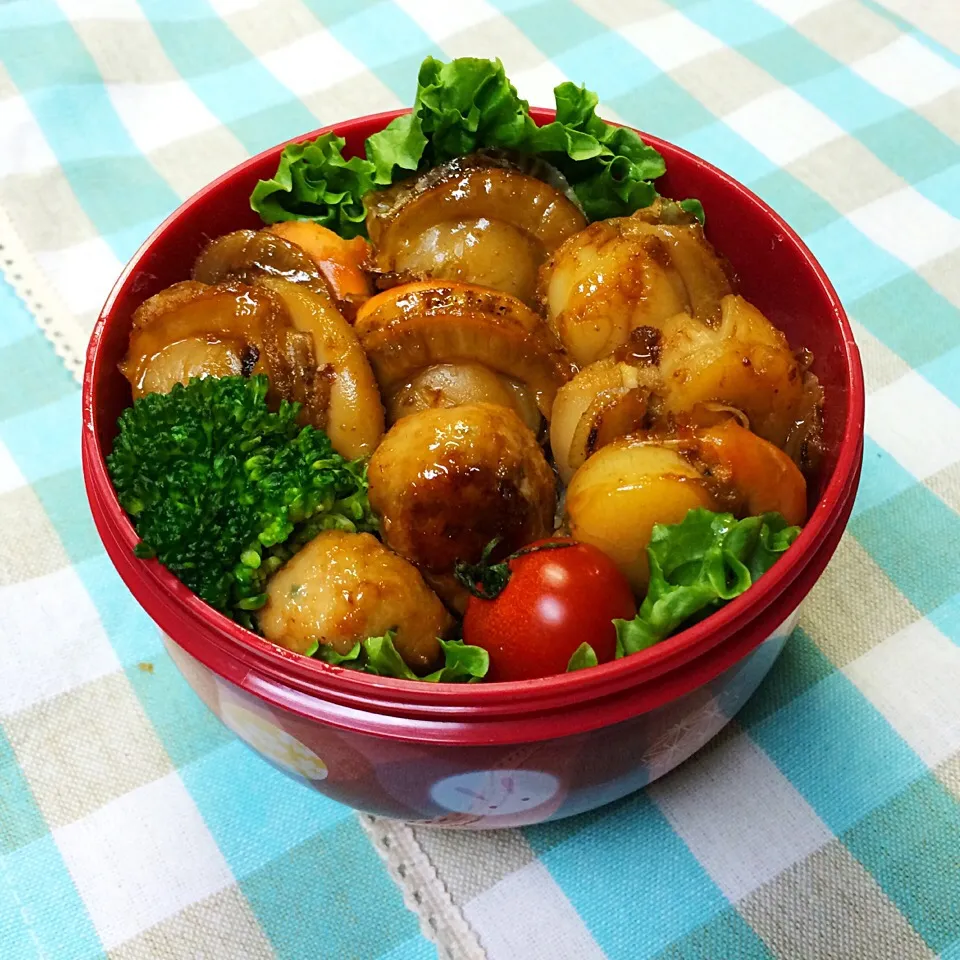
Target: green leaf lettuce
462, 663
609, 168
698, 565
315, 182
584, 656
460, 107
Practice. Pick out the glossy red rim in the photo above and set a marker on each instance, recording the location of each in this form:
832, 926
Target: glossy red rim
524, 696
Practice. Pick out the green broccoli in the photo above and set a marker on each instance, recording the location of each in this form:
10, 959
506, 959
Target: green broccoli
223, 491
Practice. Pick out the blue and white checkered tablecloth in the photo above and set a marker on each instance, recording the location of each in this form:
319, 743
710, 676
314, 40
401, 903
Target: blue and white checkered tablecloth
823, 824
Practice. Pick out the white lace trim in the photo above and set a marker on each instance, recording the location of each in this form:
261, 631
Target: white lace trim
58, 324
423, 891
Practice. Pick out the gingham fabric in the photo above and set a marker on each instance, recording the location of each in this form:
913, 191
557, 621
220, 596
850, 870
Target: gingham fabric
823, 823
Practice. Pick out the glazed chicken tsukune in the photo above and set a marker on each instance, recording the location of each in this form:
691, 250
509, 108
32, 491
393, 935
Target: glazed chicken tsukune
431, 373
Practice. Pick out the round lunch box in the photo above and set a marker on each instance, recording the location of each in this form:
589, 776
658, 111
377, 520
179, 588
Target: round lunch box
491, 755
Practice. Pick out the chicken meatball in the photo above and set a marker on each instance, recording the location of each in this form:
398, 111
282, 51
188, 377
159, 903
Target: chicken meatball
344, 587
446, 482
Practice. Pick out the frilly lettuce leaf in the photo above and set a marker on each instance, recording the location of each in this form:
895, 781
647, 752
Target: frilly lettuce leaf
462, 663
467, 104
584, 656
695, 207
698, 565
609, 168
315, 182
460, 107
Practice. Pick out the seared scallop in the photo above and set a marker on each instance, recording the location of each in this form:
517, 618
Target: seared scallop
605, 400
618, 495
183, 360
446, 482
342, 396
743, 361
249, 254
628, 272
412, 327
342, 588
476, 220
637, 481
194, 330
454, 384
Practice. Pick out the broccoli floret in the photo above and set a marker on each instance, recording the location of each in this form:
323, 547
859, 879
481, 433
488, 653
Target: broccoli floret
223, 491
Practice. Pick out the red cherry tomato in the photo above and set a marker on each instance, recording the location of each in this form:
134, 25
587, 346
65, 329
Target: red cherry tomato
554, 600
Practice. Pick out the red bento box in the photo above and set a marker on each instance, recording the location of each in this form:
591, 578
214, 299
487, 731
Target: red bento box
499, 754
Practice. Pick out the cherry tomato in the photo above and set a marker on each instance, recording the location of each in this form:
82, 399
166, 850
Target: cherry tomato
559, 594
